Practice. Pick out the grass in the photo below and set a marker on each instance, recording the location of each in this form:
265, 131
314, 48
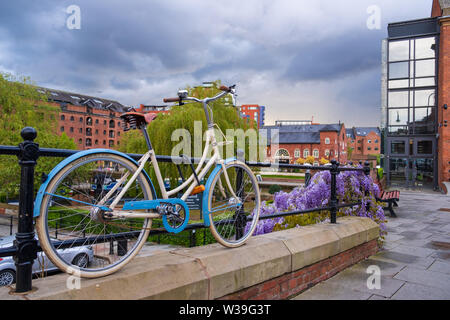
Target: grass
283, 177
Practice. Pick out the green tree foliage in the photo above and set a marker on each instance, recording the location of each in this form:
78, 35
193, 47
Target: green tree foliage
23, 105
182, 117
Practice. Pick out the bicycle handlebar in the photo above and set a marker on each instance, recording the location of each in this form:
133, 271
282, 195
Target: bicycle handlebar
225, 90
172, 99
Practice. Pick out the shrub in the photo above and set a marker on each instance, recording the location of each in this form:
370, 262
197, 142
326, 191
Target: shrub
352, 186
274, 189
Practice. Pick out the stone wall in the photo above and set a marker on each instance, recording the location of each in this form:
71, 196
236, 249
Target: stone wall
270, 266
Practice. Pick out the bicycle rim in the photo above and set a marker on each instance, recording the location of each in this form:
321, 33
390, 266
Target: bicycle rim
233, 224
71, 222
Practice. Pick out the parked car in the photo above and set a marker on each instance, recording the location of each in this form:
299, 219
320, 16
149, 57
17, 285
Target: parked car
80, 256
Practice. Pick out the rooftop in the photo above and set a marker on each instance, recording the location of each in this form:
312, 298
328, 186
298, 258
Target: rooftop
306, 133
77, 99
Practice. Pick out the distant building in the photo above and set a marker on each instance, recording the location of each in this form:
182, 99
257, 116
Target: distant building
154, 109
92, 122
364, 141
253, 113
287, 143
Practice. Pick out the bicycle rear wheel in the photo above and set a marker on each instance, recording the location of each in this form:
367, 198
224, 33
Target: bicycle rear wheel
72, 222
232, 221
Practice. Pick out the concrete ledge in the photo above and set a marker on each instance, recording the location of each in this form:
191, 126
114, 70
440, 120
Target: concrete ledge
212, 271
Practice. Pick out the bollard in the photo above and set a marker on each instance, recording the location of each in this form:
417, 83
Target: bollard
25, 243
333, 201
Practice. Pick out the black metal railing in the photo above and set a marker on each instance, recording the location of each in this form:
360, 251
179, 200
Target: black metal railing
26, 246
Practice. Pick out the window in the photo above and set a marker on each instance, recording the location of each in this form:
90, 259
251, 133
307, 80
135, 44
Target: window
80, 130
327, 152
72, 118
369, 141
104, 142
411, 86
104, 122
88, 131
112, 124
111, 143
96, 131
111, 133
316, 153
369, 148
96, 142
63, 117
89, 121
96, 121
398, 147
297, 153
62, 129
80, 141
305, 153
327, 140
71, 129
81, 119
88, 142
104, 132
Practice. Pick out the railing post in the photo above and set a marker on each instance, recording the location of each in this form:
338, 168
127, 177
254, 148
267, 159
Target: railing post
333, 201
25, 243
366, 168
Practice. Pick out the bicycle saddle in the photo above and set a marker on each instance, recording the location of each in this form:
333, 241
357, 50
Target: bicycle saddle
135, 120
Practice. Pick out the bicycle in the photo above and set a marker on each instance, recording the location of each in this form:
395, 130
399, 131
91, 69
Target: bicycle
105, 200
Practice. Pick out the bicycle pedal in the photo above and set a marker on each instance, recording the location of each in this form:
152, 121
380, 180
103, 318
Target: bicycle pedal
198, 189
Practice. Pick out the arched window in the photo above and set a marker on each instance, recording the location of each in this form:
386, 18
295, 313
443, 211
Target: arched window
282, 153
63, 117
306, 153
89, 121
327, 152
316, 153
80, 141
297, 153
112, 124
88, 142
111, 133
327, 140
72, 118
88, 131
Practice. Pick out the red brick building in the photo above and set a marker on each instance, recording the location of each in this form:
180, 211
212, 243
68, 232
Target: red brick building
364, 141
92, 122
415, 99
254, 113
287, 143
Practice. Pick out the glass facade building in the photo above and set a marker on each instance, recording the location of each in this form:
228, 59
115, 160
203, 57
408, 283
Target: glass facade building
409, 103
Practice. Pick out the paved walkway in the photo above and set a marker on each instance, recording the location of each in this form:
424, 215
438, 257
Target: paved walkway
415, 260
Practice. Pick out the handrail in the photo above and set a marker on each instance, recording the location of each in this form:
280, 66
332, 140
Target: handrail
26, 246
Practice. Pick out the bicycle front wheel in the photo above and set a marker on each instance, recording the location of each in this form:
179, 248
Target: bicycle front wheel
233, 220
72, 227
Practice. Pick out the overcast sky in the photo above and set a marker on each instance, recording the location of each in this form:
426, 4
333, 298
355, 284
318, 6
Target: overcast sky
299, 58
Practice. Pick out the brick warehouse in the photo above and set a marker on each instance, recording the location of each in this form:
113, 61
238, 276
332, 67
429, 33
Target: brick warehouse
364, 140
92, 122
415, 99
288, 142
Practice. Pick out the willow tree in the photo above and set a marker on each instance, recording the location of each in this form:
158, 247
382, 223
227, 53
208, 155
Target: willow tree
184, 125
22, 105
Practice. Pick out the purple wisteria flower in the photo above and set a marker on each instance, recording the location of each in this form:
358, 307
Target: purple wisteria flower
351, 186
